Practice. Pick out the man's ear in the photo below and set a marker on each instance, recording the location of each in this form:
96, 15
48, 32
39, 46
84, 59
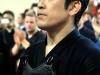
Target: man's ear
74, 8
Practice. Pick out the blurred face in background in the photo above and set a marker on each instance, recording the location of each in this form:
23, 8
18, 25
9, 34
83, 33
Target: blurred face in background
10, 17
20, 19
30, 23
98, 13
0, 21
4, 22
98, 16
11, 25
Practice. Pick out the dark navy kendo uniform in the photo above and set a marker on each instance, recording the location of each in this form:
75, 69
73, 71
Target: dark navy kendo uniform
75, 55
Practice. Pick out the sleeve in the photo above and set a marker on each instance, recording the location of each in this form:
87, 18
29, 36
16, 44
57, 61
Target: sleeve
23, 58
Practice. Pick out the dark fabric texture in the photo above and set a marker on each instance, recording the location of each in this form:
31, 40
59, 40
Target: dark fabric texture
88, 31
36, 38
74, 55
7, 64
43, 69
8, 38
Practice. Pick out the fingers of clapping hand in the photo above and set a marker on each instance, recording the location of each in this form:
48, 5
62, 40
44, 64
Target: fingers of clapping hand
19, 36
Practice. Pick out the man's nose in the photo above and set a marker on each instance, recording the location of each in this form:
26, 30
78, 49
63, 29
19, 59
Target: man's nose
41, 4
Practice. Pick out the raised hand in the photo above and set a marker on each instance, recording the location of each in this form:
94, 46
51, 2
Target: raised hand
19, 36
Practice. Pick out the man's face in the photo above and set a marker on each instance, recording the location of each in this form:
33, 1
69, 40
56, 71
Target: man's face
98, 13
10, 17
51, 13
20, 20
30, 23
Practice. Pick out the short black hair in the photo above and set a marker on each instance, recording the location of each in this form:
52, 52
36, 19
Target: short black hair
98, 6
9, 12
25, 11
22, 15
79, 14
33, 5
0, 14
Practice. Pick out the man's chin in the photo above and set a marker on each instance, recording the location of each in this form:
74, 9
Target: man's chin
41, 25
30, 31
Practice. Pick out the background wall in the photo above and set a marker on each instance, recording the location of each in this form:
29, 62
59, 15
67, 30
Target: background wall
17, 6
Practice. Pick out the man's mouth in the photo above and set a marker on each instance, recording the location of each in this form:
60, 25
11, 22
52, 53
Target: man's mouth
41, 15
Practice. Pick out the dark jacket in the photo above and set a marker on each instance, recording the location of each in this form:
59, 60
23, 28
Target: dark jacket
8, 38
37, 37
88, 31
7, 65
74, 55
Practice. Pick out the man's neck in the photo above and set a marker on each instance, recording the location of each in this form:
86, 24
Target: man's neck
55, 36
9, 30
31, 33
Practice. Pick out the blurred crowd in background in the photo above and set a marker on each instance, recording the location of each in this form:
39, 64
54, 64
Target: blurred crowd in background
89, 26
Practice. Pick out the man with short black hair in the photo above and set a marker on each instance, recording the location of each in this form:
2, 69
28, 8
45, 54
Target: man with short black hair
72, 53
6, 43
